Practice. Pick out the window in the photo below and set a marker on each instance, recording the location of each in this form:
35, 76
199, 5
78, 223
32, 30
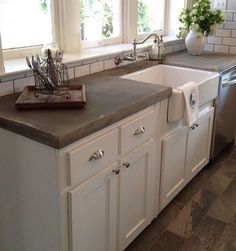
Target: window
25, 23
150, 16
100, 20
144, 16
174, 10
28, 24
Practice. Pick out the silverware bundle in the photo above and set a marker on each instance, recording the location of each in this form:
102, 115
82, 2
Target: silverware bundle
50, 75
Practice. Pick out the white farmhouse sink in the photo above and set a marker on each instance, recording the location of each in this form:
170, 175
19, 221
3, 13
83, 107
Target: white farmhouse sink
175, 77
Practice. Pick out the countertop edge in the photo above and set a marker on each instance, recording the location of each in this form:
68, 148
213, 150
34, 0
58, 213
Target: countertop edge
110, 119
29, 132
60, 142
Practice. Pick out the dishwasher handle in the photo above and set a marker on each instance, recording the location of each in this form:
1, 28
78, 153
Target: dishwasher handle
228, 82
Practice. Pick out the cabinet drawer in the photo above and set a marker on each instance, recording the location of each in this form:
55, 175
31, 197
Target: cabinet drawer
137, 131
91, 157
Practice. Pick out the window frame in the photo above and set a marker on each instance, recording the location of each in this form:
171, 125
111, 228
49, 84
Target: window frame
108, 41
20, 52
67, 34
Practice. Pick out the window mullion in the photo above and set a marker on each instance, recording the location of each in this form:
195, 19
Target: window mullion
130, 20
70, 25
188, 3
2, 68
56, 27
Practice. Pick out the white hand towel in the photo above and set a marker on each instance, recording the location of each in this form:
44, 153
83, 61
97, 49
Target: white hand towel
175, 106
191, 97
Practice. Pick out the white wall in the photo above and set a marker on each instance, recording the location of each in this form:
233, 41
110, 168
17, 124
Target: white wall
224, 40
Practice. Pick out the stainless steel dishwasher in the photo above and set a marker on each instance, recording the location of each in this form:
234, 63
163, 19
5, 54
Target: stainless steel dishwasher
225, 112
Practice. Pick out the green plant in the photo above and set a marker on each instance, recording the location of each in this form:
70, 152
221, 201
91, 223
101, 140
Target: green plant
107, 27
200, 19
88, 9
44, 5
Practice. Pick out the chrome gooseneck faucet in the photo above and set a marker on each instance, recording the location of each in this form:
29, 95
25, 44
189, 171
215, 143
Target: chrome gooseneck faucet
135, 43
134, 56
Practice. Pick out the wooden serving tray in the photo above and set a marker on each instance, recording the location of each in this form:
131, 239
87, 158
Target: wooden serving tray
27, 100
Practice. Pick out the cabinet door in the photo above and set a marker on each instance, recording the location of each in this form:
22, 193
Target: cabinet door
137, 192
173, 165
93, 213
199, 142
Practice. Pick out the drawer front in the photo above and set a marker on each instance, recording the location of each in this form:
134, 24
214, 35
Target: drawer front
91, 157
137, 131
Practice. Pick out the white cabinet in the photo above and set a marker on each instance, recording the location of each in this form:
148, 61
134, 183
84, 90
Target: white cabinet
103, 190
93, 212
137, 192
135, 132
199, 141
112, 178
173, 165
184, 153
91, 157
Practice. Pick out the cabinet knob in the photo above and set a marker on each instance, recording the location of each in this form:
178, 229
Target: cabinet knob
139, 131
126, 164
96, 155
116, 171
194, 125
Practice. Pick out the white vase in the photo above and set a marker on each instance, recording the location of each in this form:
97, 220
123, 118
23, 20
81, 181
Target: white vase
195, 43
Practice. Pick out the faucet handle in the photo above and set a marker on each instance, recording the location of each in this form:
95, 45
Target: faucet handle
118, 60
142, 55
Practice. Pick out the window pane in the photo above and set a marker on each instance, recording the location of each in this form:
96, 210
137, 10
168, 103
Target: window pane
174, 10
99, 19
25, 23
150, 15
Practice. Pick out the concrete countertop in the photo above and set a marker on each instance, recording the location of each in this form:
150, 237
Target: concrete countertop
109, 99
207, 61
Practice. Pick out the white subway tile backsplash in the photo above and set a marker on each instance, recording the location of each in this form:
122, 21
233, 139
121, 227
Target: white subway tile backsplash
220, 26
223, 33
221, 49
233, 34
214, 40
82, 70
6, 88
71, 73
230, 25
229, 16
209, 47
19, 84
178, 47
225, 39
109, 64
232, 50
96, 67
229, 41
168, 49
